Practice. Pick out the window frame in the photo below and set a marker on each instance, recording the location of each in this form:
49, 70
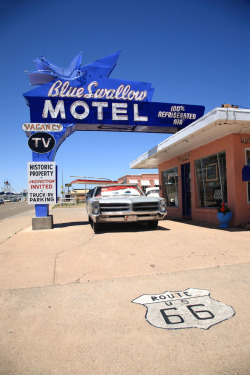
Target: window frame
247, 182
199, 163
176, 185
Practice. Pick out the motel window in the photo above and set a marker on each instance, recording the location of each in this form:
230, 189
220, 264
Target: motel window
211, 180
170, 186
248, 183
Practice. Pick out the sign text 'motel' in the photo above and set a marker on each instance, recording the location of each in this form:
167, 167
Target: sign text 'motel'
111, 112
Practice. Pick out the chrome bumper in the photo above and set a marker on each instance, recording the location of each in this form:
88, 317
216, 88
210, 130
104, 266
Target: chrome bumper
122, 218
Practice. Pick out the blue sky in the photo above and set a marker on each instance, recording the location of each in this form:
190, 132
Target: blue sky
193, 52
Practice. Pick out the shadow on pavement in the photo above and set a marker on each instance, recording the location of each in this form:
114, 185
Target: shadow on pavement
207, 225
70, 224
128, 227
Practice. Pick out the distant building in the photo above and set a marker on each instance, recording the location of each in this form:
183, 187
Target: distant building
144, 180
77, 194
80, 194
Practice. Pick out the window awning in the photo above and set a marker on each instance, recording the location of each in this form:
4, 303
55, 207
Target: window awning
133, 181
145, 183
156, 182
246, 173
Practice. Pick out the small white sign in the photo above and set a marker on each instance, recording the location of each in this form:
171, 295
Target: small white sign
191, 308
38, 127
41, 182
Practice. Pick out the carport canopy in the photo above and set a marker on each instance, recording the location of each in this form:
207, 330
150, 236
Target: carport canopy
93, 181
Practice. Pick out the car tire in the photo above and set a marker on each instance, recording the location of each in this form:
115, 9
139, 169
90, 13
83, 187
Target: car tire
95, 226
153, 224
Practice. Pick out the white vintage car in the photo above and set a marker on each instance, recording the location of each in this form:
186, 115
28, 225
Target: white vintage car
123, 204
152, 192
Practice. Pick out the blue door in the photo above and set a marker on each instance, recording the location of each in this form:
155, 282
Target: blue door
186, 190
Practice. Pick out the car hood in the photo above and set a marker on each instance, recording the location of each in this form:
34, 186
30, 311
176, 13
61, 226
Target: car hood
126, 199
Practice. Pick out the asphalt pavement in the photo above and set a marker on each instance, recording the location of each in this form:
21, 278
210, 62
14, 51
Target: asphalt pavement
10, 209
127, 300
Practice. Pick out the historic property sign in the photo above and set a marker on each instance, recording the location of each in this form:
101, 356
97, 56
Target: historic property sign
191, 308
41, 183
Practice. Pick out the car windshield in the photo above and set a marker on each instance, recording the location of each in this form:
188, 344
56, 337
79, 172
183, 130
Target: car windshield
111, 191
153, 191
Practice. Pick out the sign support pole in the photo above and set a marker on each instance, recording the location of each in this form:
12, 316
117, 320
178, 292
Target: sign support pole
42, 210
42, 219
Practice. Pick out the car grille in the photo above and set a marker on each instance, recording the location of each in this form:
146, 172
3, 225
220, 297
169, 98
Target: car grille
114, 207
146, 206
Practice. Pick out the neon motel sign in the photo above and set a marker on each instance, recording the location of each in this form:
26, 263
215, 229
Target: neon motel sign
85, 98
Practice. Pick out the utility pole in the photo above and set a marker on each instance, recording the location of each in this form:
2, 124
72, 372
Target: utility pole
62, 191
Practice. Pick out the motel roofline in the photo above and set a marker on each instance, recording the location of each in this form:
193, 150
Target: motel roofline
214, 125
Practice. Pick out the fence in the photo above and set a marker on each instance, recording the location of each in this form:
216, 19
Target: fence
67, 200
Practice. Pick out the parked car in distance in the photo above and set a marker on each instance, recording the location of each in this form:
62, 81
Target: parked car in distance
153, 192
1, 201
124, 203
16, 199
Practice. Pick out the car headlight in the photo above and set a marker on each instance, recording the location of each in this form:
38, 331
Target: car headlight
95, 207
163, 205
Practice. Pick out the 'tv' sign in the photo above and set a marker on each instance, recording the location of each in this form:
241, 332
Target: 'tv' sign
41, 142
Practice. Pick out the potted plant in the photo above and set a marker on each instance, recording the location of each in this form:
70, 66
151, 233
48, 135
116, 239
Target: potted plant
224, 215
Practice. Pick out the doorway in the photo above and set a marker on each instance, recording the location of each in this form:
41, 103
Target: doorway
186, 190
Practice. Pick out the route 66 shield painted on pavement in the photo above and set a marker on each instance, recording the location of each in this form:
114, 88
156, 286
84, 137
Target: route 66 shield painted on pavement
191, 308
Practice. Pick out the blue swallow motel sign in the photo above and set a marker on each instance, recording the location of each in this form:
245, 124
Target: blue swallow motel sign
85, 98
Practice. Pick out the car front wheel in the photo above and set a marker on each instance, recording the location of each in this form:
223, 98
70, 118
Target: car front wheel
95, 226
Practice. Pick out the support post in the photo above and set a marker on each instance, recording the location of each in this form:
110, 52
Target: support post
42, 220
42, 210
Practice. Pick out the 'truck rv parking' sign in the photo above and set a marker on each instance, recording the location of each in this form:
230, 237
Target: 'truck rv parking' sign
41, 183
